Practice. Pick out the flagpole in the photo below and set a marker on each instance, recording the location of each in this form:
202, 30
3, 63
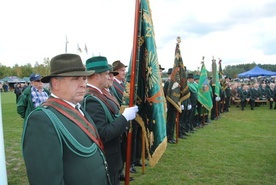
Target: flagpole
66, 42
177, 126
132, 87
3, 171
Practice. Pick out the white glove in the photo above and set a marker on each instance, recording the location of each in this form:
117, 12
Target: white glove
189, 107
182, 107
217, 98
175, 85
130, 112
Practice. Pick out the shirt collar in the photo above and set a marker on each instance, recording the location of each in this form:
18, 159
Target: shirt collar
90, 85
35, 89
70, 103
119, 81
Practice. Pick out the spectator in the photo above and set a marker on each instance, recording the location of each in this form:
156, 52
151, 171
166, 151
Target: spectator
17, 91
32, 96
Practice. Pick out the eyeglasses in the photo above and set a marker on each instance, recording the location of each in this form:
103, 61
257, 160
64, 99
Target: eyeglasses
37, 80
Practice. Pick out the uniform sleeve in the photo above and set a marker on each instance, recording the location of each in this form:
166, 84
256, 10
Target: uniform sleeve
42, 151
107, 131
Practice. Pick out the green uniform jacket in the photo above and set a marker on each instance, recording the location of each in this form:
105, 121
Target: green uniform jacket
25, 104
193, 88
49, 162
254, 94
110, 132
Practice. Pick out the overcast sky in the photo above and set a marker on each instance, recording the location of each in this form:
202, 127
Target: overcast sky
237, 31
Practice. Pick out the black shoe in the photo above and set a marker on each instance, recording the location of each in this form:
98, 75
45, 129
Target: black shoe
172, 141
132, 169
181, 137
185, 134
122, 178
191, 131
140, 164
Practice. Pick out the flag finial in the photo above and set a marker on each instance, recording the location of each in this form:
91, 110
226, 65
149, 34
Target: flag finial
202, 62
213, 59
178, 39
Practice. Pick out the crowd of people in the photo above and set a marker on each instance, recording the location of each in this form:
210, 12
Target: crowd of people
194, 115
75, 132
252, 93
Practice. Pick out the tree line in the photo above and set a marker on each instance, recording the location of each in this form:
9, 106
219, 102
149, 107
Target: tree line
25, 70
44, 69
234, 70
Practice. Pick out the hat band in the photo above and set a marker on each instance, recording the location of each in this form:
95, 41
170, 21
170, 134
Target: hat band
97, 65
69, 70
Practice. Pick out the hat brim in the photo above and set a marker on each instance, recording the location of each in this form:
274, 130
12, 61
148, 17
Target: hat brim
34, 79
101, 70
114, 73
46, 79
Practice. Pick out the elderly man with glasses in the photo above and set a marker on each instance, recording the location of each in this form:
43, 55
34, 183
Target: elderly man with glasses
32, 96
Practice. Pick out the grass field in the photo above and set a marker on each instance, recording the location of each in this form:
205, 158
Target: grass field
239, 148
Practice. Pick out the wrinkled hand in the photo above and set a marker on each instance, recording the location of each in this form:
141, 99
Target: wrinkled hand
182, 107
175, 85
189, 107
130, 112
217, 98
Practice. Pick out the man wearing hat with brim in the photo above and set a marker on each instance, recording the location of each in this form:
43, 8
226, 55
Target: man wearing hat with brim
105, 113
118, 91
161, 69
171, 115
193, 88
107, 91
119, 80
167, 82
227, 94
61, 144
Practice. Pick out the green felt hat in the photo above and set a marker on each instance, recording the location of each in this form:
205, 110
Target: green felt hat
190, 75
118, 65
66, 65
115, 73
196, 77
98, 64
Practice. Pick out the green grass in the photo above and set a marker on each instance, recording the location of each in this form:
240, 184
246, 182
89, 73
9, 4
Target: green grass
13, 126
238, 149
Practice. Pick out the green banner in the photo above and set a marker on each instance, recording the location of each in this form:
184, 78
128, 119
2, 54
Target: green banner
204, 94
149, 95
178, 89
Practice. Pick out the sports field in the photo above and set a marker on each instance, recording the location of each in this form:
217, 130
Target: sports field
239, 148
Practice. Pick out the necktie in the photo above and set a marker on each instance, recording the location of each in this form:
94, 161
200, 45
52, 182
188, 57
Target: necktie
78, 109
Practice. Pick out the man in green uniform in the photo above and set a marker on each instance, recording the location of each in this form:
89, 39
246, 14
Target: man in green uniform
193, 88
60, 141
105, 112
